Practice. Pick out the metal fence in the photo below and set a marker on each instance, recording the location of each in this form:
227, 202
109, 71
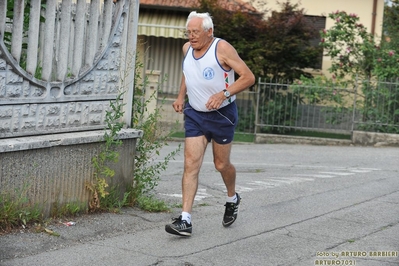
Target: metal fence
321, 106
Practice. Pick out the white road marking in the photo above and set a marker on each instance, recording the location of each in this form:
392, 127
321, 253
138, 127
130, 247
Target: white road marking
317, 175
272, 182
201, 194
363, 170
337, 173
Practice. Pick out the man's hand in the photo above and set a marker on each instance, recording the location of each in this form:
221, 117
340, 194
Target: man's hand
215, 101
178, 105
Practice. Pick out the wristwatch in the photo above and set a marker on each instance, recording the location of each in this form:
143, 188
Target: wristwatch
226, 93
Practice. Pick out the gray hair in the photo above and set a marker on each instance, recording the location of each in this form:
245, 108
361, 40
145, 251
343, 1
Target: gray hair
207, 22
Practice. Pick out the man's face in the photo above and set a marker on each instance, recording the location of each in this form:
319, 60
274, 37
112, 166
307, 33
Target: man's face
196, 35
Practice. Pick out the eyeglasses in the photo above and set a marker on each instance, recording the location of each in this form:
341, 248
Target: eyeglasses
195, 33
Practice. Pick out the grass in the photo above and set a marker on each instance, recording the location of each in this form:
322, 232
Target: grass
16, 210
244, 137
151, 204
249, 137
239, 137
178, 135
316, 134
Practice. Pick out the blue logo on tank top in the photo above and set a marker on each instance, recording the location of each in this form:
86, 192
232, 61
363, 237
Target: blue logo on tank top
208, 73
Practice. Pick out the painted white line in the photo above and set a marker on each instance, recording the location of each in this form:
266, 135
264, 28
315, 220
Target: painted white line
272, 182
317, 175
201, 194
241, 189
267, 183
262, 184
336, 173
361, 171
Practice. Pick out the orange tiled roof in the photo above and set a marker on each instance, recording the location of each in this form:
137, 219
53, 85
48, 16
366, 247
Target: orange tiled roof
232, 5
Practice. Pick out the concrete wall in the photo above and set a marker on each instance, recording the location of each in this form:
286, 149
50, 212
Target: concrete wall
376, 139
360, 138
279, 139
51, 170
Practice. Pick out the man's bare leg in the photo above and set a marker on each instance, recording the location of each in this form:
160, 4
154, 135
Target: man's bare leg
221, 159
194, 150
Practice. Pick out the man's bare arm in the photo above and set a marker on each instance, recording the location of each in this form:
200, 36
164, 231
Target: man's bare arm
178, 104
229, 59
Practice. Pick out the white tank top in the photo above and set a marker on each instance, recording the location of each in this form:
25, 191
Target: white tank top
205, 76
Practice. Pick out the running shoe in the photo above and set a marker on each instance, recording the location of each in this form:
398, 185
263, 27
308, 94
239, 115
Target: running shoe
179, 227
231, 212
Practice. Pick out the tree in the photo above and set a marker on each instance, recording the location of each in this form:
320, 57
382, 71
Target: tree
276, 47
354, 51
387, 57
350, 46
285, 46
391, 25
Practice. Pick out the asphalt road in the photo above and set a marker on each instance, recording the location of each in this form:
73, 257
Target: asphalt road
302, 205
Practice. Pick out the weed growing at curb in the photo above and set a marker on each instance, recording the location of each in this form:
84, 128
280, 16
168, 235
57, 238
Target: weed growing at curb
148, 171
16, 210
98, 187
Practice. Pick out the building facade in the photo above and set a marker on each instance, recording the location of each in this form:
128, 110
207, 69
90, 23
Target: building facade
370, 13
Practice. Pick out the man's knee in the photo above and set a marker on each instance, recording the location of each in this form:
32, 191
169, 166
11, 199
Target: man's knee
222, 166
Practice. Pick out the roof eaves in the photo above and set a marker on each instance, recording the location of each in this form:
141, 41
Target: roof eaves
163, 7
189, 6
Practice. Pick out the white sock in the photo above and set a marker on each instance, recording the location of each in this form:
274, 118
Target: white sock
232, 199
186, 216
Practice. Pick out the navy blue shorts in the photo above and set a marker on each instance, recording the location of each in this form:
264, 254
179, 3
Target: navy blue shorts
218, 125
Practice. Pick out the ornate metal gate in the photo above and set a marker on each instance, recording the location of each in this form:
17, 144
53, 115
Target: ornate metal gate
62, 63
